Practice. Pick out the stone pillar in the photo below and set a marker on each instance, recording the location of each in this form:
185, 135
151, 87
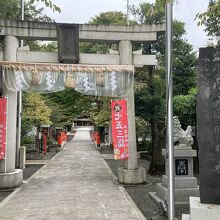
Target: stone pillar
130, 173
9, 176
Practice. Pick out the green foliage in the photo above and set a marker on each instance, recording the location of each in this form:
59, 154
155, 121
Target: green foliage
142, 128
100, 112
111, 17
105, 18
48, 4
32, 13
26, 127
35, 113
10, 9
185, 108
67, 105
100, 48
38, 46
150, 94
149, 13
26, 140
150, 99
184, 59
35, 110
184, 62
211, 19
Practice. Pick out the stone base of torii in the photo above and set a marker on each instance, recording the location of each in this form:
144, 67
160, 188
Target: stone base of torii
11, 177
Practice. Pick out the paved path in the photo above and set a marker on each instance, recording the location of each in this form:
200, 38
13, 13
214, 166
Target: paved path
76, 184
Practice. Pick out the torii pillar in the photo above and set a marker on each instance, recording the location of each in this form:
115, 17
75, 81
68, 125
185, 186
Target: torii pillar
130, 173
9, 176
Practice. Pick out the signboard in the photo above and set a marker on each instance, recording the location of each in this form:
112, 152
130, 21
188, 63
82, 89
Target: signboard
120, 129
208, 124
3, 105
181, 166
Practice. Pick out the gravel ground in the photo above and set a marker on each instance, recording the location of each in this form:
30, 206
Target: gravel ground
4, 194
30, 169
35, 155
139, 193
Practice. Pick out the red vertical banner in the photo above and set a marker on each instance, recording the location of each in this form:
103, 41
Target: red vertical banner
120, 129
3, 108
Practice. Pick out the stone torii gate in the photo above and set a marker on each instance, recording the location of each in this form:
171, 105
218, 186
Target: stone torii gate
13, 31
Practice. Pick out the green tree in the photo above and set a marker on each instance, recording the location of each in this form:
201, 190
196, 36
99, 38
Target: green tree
184, 59
111, 17
48, 3
150, 88
150, 105
11, 9
35, 114
185, 107
211, 19
149, 13
69, 104
105, 18
35, 110
101, 111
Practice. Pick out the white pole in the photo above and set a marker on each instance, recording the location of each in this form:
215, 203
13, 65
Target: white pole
19, 103
22, 18
169, 94
127, 11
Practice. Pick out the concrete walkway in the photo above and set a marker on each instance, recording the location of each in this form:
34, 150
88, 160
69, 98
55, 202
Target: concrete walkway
76, 184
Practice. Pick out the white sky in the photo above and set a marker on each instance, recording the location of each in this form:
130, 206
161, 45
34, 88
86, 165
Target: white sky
81, 11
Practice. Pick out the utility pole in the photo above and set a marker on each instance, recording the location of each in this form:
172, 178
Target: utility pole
169, 103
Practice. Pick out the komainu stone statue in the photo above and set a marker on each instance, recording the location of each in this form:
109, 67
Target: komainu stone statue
182, 139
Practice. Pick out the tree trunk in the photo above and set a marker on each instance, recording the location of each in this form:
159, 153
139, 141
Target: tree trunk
158, 143
157, 133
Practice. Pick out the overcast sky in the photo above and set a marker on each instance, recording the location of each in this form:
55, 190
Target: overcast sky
81, 11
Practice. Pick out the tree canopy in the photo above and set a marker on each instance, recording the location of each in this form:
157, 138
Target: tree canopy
49, 4
111, 17
35, 110
11, 9
150, 97
211, 19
